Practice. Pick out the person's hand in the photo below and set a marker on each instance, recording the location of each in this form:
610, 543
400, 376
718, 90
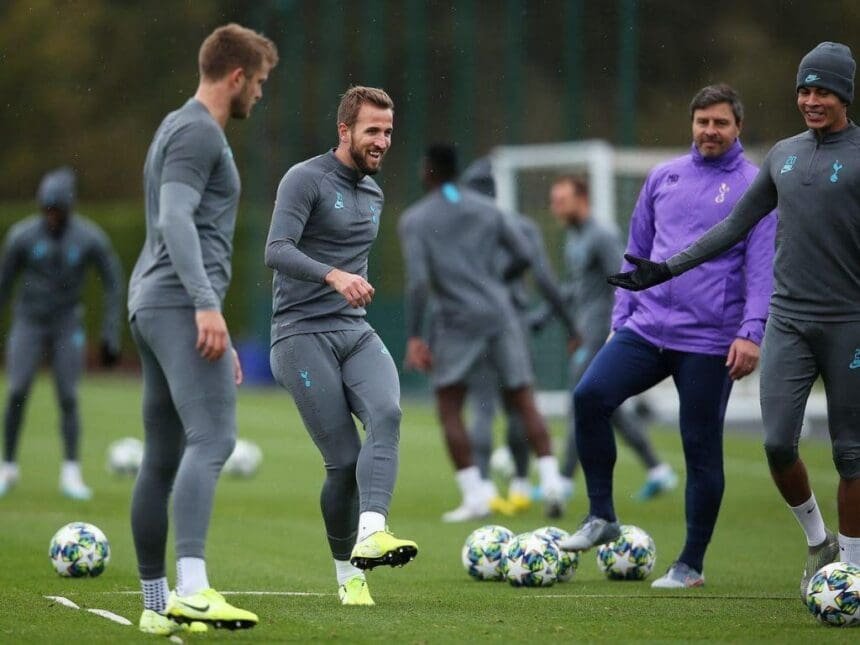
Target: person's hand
742, 359
418, 356
238, 376
212, 336
645, 275
357, 291
109, 354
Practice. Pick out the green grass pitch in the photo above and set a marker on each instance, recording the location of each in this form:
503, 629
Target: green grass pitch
267, 536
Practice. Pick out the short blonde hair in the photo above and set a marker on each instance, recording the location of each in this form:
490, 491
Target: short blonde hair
355, 97
231, 46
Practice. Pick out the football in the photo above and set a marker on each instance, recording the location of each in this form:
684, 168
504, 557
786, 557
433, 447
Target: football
833, 594
630, 557
124, 456
531, 561
244, 460
79, 549
568, 560
482, 553
502, 463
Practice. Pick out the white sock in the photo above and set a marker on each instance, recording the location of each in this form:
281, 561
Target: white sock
345, 571
520, 486
155, 594
9, 470
469, 481
71, 472
849, 549
490, 489
809, 517
369, 523
191, 576
659, 471
567, 486
550, 479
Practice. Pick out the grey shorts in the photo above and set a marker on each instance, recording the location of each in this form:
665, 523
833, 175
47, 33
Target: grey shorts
794, 354
456, 357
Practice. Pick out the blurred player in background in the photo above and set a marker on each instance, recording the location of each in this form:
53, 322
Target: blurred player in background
814, 326
703, 330
324, 353
176, 296
51, 253
591, 251
451, 242
484, 385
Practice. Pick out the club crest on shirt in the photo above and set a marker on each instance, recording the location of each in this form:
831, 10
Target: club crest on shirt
836, 168
721, 196
788, 166
374, 214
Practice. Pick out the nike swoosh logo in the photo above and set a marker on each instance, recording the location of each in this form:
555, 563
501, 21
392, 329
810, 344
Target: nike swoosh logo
809, 511
194, 607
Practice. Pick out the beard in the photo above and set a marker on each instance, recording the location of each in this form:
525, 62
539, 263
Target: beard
358, 158
241, 104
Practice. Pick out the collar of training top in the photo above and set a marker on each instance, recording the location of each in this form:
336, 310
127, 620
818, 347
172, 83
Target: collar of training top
726, 160
830, 137
350, 174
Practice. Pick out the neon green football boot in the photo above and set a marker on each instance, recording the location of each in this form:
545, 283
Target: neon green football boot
151, 622
382, 548
355, 592
209, 606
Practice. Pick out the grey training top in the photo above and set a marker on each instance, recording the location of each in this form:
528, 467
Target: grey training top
451, 240
53, 270
815, 183
191, 187
326, 217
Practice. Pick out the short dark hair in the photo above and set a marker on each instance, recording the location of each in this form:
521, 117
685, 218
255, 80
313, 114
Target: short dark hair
578, 183
356, 96
232, 46
719, 93
441, 160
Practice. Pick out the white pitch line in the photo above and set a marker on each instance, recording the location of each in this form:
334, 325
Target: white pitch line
63, 601
692, 596
104, 613
243, 593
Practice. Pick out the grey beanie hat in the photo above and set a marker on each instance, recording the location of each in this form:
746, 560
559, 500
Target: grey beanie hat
57, 189
829, 66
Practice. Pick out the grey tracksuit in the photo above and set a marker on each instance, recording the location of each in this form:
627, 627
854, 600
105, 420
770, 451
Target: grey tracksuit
191, 188
484, 386
814, 324
451, 240
324, 352
48, 314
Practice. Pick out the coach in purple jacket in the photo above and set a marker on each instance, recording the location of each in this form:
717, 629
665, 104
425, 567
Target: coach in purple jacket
703, 328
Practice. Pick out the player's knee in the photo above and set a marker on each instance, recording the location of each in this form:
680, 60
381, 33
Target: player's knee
68, 403
387, 420
590, 398
847, 461
780, 456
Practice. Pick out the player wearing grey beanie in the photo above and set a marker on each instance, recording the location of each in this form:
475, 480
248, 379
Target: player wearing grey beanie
830, 66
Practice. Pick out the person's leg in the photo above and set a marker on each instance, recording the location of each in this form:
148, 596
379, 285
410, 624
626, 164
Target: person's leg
67, 364
483, 391
163, 441
789, 367
839, 354
306, 365
704, 386
520, 488
25, 349
204, 396
625, 366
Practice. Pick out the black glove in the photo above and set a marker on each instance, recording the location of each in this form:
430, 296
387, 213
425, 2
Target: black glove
109, 354
645, 275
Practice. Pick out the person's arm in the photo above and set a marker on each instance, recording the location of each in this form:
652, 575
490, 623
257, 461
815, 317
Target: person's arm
515, 243
639, 243
758, 278
545, 280
759, 200
192, 154
296, 198
417, 294
109, 270
10, 264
